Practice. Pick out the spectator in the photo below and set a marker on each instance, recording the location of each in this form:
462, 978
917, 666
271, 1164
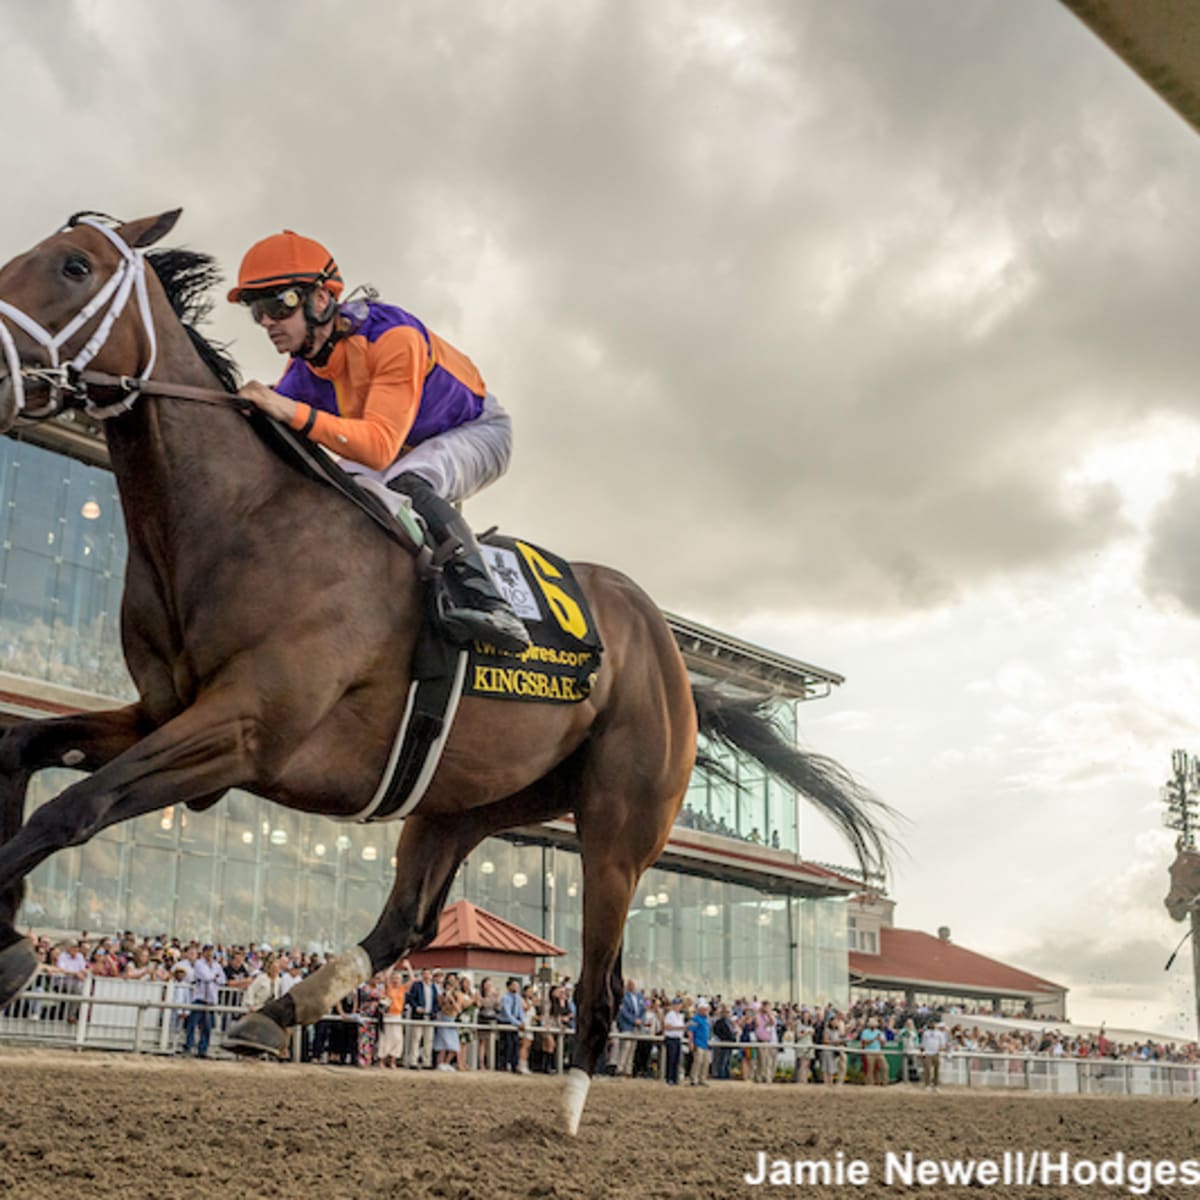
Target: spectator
910, 1045
207, 978
446, 1042
699, 1033
391, 1041
767, 1037
631, 1017
874, 1060
264, 987
933, 1046
532, 1017
141, 966
370, 1009
238, 973
104, 964
802, 1072
468, 1011
512, 1020
833, 1052
422, 1006
723, 1031
673, 1029
487, 1016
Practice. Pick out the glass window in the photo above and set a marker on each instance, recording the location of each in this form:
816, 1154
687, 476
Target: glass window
360, 908
36, 498
237, 918
280, 893
242, 836
99, 896
150, 904
50, 890
283, 831
158, 828
318, 917
195, 895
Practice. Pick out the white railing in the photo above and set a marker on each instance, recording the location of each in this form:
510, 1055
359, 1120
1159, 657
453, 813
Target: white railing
149, 1017
108, 1014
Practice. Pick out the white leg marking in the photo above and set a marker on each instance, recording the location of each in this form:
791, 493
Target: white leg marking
315, 996
575, 1097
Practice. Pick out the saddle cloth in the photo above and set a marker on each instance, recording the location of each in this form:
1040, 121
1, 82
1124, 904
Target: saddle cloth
558, 668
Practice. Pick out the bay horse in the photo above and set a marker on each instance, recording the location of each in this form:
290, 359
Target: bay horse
1185, 881
268, 626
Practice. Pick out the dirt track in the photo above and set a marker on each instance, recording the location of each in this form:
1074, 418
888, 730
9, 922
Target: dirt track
114, 1125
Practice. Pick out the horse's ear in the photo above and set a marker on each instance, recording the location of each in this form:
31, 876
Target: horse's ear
149, 230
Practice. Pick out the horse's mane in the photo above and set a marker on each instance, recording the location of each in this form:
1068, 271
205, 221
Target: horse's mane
186, 277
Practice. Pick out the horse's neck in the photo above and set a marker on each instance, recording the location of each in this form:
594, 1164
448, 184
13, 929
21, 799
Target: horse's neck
185, 468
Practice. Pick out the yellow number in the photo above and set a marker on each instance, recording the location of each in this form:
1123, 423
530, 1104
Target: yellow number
566, 612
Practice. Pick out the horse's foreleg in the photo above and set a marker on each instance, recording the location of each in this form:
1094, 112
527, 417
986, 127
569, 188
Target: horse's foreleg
427, 858
202, 751
85, 741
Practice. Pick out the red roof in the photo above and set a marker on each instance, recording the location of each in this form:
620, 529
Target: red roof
465, 926
910, 956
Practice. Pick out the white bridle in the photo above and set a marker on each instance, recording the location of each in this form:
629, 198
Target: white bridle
130, 276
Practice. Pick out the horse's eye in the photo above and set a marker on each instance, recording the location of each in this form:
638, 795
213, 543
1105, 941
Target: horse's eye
77, 267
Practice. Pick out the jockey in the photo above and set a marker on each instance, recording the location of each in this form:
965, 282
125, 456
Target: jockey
374, 385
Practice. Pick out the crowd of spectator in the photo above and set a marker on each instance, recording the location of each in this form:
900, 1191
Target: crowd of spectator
445, 1020
696, 818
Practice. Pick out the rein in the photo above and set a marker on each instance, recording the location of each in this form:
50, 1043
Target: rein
72, 386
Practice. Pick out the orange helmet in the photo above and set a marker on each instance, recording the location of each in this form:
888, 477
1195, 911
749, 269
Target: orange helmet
285, 258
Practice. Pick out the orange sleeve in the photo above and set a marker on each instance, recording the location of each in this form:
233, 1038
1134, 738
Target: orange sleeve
396, 365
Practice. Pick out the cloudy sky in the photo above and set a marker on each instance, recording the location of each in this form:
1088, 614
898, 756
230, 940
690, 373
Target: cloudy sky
879, 317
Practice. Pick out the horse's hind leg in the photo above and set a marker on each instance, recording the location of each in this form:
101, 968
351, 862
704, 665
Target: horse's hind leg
427, 858
428, 855
621, 834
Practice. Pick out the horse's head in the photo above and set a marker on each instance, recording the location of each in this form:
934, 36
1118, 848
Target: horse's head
63, 304
1185, 882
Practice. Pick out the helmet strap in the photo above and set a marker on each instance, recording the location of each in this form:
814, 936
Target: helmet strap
313, 320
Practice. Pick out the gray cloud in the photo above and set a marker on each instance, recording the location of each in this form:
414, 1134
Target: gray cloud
793, 303
1108, 970
1172, 569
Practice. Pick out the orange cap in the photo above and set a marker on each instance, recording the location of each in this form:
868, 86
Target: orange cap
286, 258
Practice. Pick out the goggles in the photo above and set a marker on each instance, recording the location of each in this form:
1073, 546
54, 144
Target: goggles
278, 305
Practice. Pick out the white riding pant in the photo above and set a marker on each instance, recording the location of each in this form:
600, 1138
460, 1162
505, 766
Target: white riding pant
459, 462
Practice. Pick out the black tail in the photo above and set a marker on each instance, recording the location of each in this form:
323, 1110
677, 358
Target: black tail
749, 725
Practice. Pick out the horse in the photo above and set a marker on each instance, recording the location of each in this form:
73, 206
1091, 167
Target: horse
1185, 881
269, 626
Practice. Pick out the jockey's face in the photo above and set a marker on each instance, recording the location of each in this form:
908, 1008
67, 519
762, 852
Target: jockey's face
288, 333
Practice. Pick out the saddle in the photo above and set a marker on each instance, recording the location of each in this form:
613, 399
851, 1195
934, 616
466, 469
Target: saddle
560, 666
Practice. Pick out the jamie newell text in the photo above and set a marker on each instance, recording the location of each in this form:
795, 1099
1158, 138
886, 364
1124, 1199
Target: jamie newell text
1041, 1168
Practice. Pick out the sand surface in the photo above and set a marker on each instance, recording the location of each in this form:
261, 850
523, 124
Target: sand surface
109, 1125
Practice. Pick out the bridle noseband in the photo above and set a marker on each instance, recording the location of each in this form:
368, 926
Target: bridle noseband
66, 380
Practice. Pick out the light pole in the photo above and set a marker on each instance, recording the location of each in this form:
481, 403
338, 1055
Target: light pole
1181, 793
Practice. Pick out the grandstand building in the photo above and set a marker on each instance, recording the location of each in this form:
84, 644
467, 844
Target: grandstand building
732, 906
918, 969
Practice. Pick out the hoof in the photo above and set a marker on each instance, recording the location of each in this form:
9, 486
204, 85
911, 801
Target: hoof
256, 1034
18, 965
574, 1098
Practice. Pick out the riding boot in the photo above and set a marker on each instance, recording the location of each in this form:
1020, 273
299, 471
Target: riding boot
468, 604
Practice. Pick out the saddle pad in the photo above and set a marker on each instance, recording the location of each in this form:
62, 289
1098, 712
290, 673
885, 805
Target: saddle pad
560, 667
